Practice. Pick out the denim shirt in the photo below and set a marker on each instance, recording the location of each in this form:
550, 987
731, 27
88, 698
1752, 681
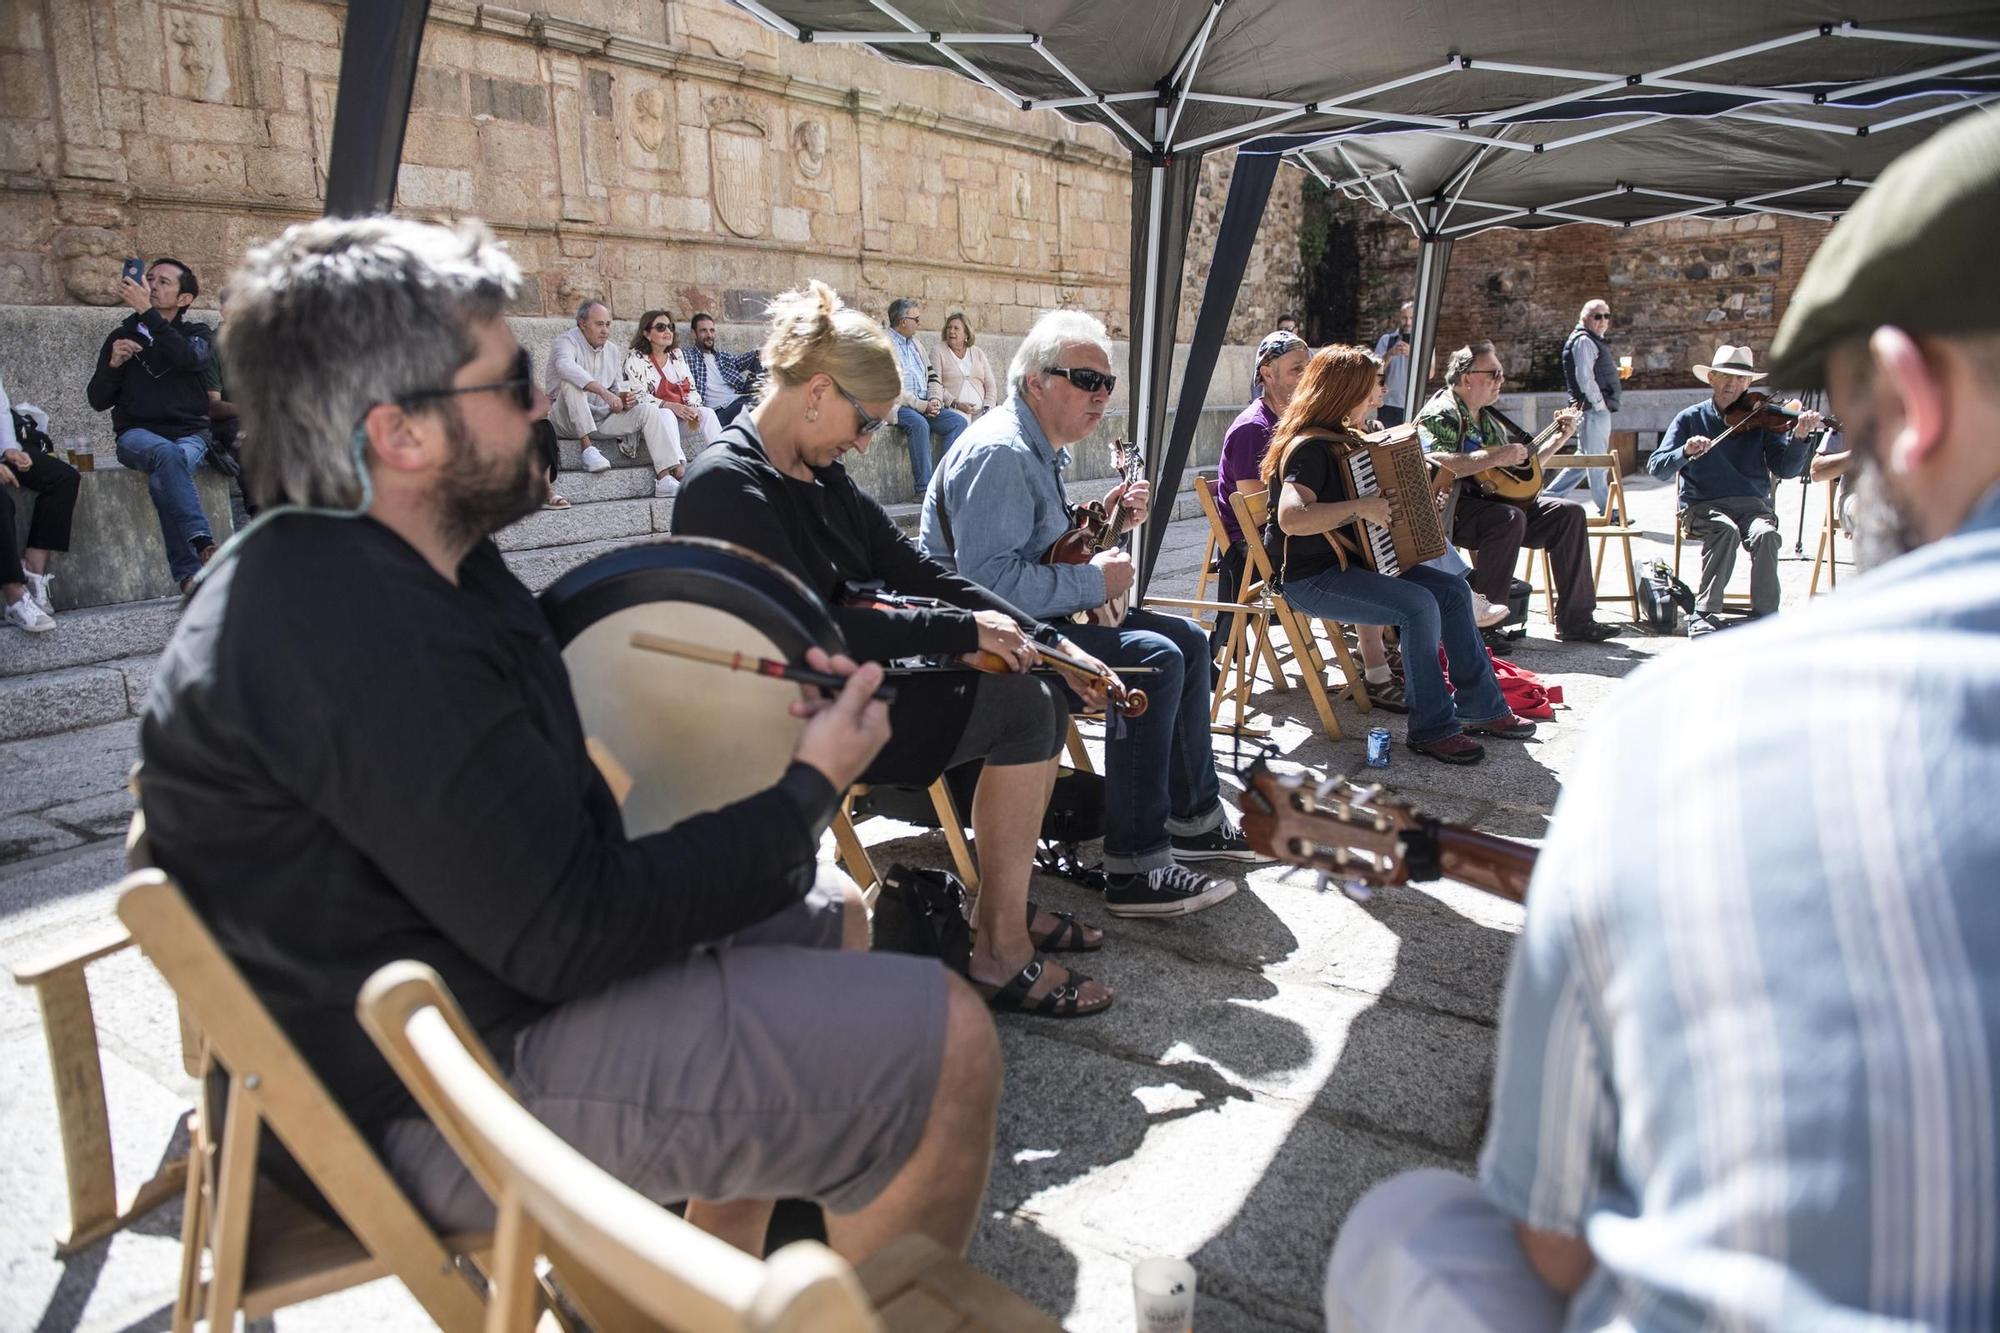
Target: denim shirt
910, 360
996, 505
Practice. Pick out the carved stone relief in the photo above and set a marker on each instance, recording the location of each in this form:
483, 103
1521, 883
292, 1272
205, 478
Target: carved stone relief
809, 145
648, 119
322, 93
975, 224
198, 56
737, 139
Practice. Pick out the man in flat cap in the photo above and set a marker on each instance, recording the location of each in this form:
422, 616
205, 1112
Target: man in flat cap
1749, 1058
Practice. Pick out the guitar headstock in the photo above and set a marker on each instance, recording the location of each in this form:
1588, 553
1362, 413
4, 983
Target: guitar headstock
1351, 833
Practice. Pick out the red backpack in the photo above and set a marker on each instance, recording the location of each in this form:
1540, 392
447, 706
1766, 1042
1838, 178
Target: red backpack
1522, 688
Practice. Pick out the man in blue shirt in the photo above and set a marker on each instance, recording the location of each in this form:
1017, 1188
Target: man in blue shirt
921, 413
996, 508
1749, 1063
1726, 485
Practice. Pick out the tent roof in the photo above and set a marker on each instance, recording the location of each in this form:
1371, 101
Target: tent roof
1460, 115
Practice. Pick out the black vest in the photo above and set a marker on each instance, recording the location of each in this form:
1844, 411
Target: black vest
1606, 373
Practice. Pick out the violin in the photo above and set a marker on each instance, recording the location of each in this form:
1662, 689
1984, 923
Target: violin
1126, 700
1757, 410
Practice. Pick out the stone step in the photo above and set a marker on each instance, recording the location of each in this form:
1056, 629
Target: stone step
620, 483
96, 634
596, 521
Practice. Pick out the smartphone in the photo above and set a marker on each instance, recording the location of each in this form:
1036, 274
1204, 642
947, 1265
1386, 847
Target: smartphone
135, 269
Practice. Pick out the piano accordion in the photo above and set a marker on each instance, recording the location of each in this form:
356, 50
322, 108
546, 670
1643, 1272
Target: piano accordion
1391, 463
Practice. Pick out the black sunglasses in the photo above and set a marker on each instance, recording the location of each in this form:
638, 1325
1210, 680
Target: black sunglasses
659, 328
867, 425
1086, 379
521, 384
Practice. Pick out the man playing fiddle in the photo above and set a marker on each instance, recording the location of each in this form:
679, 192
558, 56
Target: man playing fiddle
1725, 454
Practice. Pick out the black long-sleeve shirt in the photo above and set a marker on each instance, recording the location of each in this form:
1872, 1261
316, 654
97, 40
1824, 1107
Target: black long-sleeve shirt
349, 760
830, 533
164, 386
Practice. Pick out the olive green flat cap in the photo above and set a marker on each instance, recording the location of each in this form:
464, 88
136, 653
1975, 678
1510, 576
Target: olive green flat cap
1921, 250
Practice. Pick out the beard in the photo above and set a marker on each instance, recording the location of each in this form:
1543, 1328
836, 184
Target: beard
1883, 530
477, 497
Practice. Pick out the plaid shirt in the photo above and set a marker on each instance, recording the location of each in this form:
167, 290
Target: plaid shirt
740, 373
1751, 1039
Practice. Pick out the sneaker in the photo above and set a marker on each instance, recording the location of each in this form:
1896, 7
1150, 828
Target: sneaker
1700, 624
38, 588
1487, 614
1224, 842
1168, 891
1455, 749
665, 487
33, 619
594, 459
1508, 726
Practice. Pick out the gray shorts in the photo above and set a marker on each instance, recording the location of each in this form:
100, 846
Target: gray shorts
771, 1065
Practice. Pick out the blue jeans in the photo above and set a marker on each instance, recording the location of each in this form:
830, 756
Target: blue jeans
1593, 436
1159, 774
947, 425
1427, 607
169, 467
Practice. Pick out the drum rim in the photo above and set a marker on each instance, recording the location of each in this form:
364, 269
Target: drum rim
559, 599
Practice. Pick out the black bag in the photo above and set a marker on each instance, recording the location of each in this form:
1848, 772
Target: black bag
29, 437
1075, 813
923, 912
1662, 598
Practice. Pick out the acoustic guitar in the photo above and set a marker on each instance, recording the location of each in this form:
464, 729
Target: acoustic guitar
1523, 481
1359, 836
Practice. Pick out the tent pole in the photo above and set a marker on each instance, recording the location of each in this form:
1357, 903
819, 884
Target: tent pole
378, 72
1433, 256
1148, 332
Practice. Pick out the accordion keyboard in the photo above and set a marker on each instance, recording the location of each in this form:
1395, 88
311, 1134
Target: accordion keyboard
1381, 543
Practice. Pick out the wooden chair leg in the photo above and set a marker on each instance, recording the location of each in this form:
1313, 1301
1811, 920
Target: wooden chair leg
234, 1186
1079, 757
1306, 654
853, 855
954, 836
1357, 679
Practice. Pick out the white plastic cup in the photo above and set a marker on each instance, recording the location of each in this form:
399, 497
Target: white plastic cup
1163, 1296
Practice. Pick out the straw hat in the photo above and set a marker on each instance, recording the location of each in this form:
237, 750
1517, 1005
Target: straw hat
1729, 361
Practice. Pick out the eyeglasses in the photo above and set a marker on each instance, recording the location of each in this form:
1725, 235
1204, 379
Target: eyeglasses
659, 328
868, 425
521, 384
1603, 314
1086, 379
1496, 374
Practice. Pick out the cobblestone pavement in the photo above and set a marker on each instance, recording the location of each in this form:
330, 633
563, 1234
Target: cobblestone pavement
1265, 1063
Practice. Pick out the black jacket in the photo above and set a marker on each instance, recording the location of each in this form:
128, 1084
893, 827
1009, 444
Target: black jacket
349, 760
164, 387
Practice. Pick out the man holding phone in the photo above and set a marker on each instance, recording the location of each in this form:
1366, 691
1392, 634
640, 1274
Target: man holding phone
152, 376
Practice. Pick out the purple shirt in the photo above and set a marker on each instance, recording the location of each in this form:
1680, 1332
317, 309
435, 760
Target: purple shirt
1243, 451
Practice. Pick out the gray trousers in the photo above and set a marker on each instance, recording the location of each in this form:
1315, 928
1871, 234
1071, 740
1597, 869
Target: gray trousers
1723, 525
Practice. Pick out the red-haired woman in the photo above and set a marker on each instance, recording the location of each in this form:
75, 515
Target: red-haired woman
1311, 500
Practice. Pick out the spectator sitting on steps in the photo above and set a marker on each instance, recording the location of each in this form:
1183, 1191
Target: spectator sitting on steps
726, 381
152, 375
657, 372
25, 577
588, 396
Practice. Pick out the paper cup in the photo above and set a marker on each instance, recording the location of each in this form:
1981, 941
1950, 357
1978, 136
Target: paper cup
1163, 1295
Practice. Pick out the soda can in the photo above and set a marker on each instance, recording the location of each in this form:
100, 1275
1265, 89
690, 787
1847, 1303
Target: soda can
1378, 747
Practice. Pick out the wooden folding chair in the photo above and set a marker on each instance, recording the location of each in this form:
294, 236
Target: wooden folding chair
1731, 601
1613, 525
854, 856
1239, 654
1250, 507
1828, 552
627, 1254
264, 1250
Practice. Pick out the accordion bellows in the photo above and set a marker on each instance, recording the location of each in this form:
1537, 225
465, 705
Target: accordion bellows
1391, 463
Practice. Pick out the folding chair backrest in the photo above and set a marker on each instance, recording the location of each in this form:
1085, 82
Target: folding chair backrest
1250, 507
272, 1086
551, 1196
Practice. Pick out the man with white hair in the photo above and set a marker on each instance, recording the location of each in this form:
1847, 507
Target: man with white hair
991, 514
588, 396
1591, 377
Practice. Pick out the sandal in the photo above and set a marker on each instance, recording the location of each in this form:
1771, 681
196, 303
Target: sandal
1065, 1001
1387, 696
1068, 935
555, 502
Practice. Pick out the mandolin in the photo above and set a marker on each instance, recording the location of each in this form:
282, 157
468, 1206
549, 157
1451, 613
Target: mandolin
1523, 481
1360, 837
1096, 532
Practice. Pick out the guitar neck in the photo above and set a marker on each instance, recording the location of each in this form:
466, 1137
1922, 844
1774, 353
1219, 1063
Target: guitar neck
1500, 866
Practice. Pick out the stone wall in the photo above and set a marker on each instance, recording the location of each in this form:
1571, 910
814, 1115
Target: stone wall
659, 152
1676, 289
